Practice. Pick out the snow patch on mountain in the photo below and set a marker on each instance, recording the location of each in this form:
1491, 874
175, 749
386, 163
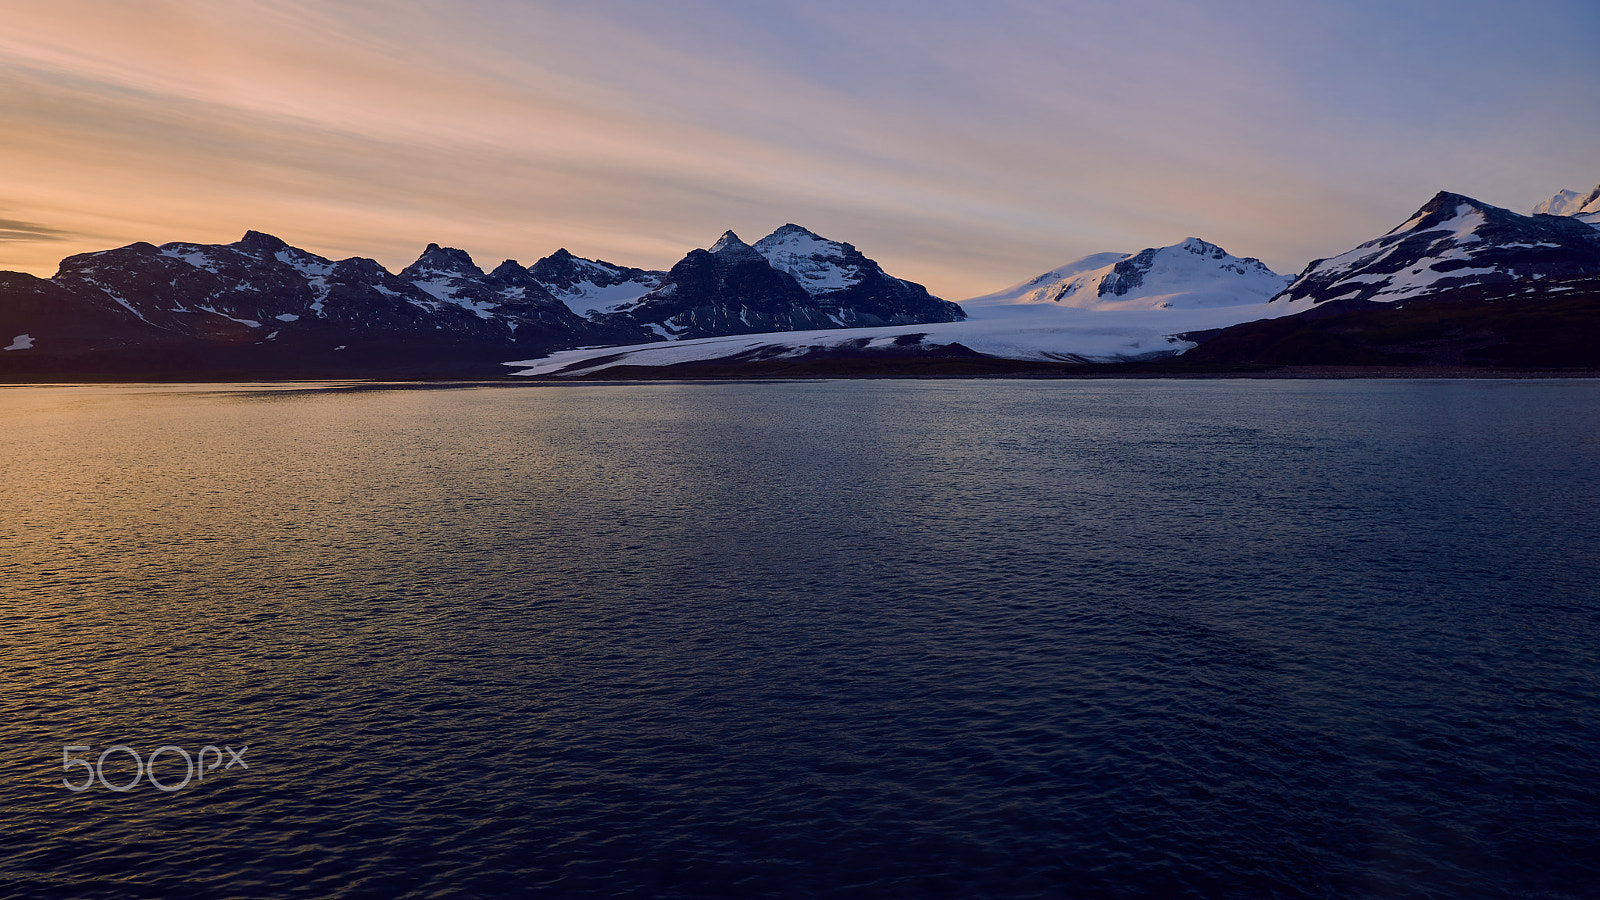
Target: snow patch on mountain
588, 297
1462, 225
593, 287
305, 263
193, 254
1459, 228
252, 323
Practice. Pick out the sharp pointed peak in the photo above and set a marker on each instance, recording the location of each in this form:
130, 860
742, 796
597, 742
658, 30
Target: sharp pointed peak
1446, 206
729, 248
729, 240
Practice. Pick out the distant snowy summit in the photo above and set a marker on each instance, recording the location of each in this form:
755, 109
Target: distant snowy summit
1571, 203
1193, 274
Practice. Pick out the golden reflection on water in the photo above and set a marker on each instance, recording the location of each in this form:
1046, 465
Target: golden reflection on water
873, 631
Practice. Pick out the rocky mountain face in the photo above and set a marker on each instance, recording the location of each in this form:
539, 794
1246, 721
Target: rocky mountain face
260, 306
1451, 244
1193, 274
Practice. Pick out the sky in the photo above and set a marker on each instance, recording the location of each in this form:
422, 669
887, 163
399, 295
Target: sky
966, 146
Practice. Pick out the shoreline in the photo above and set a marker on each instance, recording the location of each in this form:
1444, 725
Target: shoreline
939, 370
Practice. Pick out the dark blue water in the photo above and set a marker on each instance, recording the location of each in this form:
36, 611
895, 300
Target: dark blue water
964, 639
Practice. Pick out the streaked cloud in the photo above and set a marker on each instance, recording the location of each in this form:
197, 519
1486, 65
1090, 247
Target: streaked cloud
965, 145
16, 230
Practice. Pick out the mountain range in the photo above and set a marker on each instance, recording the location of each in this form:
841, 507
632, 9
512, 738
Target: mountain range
261, 307
1459, 282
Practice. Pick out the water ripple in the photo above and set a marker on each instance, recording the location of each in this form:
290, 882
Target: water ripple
790, 640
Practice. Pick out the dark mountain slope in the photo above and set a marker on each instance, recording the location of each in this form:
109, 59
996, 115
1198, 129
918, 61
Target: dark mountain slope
1554, 326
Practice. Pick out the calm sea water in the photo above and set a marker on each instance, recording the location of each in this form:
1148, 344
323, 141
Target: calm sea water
855, 639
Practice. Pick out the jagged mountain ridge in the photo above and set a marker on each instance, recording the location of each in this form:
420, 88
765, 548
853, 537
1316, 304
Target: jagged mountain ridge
1192, 274
265, 304
260, 288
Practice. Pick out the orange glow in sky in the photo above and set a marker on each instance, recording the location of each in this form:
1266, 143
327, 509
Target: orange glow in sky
966, 146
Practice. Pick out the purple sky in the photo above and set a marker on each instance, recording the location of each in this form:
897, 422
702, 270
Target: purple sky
966, 145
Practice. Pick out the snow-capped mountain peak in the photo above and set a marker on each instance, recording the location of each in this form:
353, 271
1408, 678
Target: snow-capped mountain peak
1192, 274
820, 265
